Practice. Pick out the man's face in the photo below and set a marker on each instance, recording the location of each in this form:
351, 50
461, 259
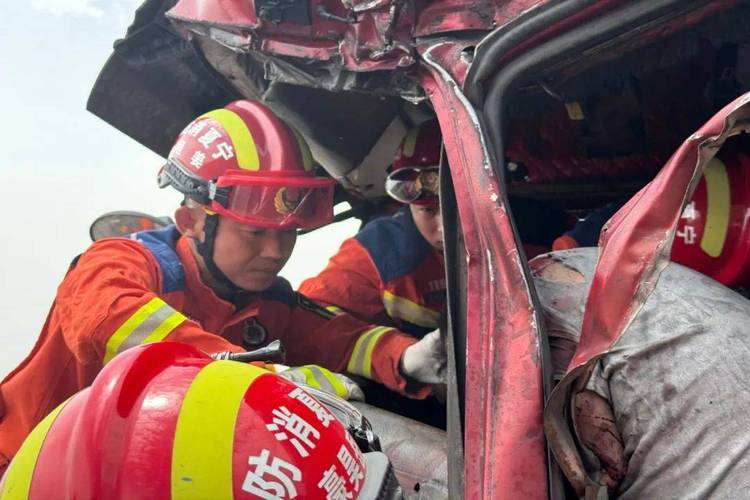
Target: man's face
428, 220
251, 257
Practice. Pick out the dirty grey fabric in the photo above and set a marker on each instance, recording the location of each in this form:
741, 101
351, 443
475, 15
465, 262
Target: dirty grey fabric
678, 381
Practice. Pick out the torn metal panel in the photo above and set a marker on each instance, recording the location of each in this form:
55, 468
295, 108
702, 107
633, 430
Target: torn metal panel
365, 36
351, 134
455, 15
636, 243
361, 36
320, 19
213, 52
635, 249
325, 75
454, 56
505, 450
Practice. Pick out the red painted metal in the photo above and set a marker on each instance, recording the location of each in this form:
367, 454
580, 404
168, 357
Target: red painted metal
218, 12
455, 58
510, 9
455, 15
635, 244
505, 453
287, 46
241, 15
368, 35
381, 39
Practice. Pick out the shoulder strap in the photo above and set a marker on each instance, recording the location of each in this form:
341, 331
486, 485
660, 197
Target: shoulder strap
162, 244
394, 244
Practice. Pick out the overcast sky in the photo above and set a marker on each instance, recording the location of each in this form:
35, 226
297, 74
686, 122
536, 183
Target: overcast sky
62, 167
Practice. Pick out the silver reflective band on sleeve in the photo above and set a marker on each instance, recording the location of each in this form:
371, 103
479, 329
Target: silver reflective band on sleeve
152, 322
360, 362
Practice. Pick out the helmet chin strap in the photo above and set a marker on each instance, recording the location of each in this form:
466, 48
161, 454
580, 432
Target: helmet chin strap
223, 286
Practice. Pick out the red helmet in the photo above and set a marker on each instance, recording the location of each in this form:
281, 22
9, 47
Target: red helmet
414, 177
244, 162
166, 421
713, 234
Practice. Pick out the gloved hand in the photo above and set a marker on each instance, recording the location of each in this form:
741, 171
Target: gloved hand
595, 425
323, 379
426, 361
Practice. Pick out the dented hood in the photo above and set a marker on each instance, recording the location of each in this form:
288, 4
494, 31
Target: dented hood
338, 70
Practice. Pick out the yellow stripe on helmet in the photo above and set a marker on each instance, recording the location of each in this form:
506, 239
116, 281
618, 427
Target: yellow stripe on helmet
239, 134
204, 438
18, 476
717, 208
307, 159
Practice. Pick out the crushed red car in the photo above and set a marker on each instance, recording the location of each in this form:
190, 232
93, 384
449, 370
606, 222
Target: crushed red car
572, 104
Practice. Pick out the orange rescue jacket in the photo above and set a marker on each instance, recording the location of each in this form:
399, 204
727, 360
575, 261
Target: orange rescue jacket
124, 292
387, 274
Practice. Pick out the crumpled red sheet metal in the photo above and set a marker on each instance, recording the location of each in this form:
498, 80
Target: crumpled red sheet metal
357, 35
505, 456
634, 249
636, 243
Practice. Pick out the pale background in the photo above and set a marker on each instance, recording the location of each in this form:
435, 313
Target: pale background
61, 166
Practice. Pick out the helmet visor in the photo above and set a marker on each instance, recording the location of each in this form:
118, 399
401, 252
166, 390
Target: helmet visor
410, 184
284, 201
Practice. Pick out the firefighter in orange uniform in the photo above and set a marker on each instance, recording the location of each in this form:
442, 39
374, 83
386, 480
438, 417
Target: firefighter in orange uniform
392, 272
211, 281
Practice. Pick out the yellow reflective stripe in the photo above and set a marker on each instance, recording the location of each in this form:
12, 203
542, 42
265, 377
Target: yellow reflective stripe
242, 139
401, 308
307, 159
323, 379
18, 476
360, 362
165, 328
151, 323
309, 377
410, 142
117, 338
335, 310
204, 437
717, 208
